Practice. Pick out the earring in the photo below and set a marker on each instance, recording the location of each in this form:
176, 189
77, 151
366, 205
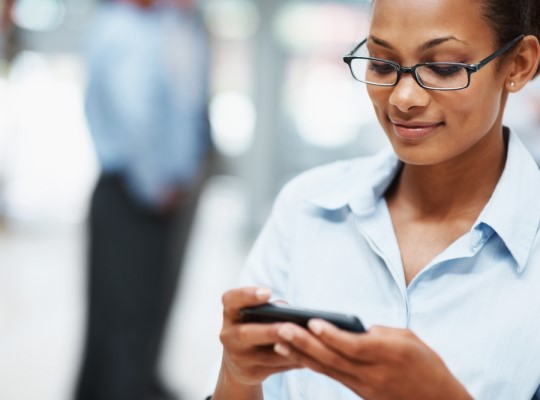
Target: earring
512, 84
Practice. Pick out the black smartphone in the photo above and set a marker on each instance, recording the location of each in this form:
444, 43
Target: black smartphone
284, 313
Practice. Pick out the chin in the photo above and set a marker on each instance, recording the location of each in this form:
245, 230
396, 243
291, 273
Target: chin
419, 154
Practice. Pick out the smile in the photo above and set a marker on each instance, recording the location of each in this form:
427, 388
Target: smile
415, 130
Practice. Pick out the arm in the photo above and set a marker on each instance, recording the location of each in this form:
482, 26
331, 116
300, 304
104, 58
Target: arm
384, 363
228, 388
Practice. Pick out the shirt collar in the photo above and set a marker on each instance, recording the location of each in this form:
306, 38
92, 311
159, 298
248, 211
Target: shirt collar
513, 212
360, 186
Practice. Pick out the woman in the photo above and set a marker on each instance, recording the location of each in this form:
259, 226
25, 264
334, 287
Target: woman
434, 246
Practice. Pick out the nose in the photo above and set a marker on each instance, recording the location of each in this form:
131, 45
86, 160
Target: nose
408, 94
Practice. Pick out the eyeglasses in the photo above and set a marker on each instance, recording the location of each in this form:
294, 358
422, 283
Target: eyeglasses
432, 75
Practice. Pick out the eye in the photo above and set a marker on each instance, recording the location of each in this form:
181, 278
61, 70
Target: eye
445, 70
381, 68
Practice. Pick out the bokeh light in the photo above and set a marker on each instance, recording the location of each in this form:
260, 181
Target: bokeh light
232, 117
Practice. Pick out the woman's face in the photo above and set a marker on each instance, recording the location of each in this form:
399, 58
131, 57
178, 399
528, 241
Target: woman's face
429, 127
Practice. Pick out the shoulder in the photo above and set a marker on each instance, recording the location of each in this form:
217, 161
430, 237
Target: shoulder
337, 178
313, 178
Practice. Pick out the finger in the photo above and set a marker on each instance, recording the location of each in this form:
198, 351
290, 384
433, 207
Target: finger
320, 357
365, 347
235, 299
356, 382
256, 365
262, 357
298, 357
378, 345
254, 334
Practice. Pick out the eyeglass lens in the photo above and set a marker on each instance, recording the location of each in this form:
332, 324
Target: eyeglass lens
437, 75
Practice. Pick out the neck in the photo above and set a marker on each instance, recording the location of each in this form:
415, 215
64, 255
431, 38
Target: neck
455, 187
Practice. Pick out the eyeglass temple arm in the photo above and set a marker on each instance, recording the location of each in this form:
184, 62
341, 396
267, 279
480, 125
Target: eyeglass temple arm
349, 54
497, 53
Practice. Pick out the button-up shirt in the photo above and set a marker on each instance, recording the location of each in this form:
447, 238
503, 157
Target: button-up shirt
329, 244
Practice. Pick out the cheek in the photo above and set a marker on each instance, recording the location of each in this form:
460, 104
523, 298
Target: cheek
462, 107
475, 110
379, 98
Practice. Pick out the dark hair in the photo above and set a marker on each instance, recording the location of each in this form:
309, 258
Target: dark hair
511, 18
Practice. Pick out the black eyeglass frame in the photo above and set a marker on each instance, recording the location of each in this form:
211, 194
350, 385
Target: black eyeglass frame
470, 68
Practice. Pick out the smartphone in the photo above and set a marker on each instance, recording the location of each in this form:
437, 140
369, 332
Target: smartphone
284, 313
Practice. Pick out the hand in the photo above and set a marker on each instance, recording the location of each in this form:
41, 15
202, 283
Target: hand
248, 356
172, 199
384, 363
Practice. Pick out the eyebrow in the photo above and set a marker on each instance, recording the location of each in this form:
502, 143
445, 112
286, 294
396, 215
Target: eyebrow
423, 47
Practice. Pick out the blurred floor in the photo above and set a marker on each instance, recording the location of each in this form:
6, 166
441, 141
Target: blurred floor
42, 301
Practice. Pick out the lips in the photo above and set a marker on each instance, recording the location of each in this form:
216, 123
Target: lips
411, 130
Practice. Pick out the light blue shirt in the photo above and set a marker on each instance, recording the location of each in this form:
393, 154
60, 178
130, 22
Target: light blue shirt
146, 96
329, 244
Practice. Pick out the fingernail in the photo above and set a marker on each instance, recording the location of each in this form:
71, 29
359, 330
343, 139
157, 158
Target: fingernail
286, 333
316, 326
281, 349
262, 294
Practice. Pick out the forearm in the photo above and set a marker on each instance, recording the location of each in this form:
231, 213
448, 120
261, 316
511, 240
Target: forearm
228, 388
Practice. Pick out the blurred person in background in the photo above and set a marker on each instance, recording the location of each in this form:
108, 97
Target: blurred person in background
146, 105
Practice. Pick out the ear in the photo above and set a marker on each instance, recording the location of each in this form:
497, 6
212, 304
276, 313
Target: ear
523, 63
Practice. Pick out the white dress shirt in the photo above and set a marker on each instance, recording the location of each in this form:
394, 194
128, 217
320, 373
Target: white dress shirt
329, 244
